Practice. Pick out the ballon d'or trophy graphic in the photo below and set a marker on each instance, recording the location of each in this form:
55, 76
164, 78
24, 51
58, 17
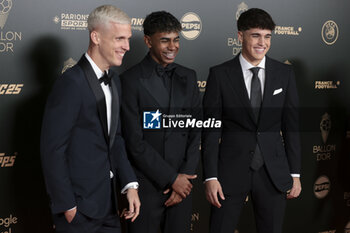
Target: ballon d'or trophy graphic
68, 64
5, 7
325, 126
242, 7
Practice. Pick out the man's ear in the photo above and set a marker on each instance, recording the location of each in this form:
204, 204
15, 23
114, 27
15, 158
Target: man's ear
95, 37
147, 40
240, 36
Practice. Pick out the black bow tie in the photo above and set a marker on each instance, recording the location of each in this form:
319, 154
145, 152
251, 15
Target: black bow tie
105, 79
165, 70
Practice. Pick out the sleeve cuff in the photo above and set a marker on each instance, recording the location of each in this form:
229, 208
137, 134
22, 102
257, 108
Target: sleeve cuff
295, 175
72, 208
131, 185
211, 178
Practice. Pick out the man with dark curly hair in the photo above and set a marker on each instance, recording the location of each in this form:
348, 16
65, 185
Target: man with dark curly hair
164, 160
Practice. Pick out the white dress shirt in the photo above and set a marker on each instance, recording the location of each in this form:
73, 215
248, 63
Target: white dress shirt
248, 74
108, 97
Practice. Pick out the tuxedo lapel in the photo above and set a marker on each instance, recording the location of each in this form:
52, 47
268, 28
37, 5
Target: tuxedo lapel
115, 91
236, 80
178, 92
153, 84
178, 95
98, 92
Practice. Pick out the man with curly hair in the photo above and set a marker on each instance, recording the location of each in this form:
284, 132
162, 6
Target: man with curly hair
164, 160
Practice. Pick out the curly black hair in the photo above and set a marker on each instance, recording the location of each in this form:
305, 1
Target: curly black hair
255, 18
160, 21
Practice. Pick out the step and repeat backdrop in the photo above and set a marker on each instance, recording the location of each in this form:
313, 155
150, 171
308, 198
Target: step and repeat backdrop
40, 39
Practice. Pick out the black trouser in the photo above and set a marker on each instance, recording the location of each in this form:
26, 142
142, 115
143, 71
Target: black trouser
156, 217
84, 224
269, 205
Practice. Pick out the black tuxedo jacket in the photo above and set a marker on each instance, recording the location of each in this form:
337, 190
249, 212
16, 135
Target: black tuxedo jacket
159, 155
77, 152
227, 152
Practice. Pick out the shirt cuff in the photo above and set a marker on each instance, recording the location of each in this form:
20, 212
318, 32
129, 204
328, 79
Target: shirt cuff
131, 185
295, 175
72, 208
211, 178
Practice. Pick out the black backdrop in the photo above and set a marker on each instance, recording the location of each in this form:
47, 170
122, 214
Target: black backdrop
40, 39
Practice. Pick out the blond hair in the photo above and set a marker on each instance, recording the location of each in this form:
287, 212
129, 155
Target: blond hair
102, 15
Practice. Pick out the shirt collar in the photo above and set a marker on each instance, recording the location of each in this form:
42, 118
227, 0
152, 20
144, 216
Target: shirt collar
246, 65
97, 70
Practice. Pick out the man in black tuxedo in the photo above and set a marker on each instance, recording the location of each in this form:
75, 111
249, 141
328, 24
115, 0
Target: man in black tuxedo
164, 160
257, 150
82, 149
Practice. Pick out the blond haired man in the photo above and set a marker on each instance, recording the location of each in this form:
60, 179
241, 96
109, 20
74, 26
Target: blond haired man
82, 149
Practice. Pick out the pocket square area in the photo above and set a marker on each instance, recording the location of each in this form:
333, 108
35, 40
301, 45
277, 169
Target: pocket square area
277, 91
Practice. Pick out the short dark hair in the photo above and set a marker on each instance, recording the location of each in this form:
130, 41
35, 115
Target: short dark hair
255, 18
160, 21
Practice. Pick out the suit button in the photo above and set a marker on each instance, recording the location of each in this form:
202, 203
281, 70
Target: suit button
251, 152
258, 133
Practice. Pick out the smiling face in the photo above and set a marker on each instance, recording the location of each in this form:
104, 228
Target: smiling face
111, 43
163, 46
256, 43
